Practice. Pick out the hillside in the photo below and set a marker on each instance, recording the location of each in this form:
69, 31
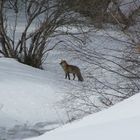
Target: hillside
27, 99
99, 40
120, 122
25, 92
30, 98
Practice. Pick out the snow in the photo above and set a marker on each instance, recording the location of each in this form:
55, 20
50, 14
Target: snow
120, 122
28, 98
27, 94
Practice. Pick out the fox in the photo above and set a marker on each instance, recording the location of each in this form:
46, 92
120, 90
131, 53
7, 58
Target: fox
71, 69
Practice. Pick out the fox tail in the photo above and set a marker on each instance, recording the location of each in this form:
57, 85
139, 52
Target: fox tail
80, 78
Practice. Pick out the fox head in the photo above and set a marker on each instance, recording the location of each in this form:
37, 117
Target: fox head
63, 63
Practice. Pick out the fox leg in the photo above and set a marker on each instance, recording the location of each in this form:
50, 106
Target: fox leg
67, 75
73, 76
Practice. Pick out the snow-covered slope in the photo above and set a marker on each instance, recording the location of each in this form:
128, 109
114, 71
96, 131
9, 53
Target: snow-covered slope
120, 122
27, 95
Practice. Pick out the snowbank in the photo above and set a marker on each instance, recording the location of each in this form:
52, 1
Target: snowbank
27, 95
120, 122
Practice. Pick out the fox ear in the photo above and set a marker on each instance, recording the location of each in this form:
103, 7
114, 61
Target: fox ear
61, 60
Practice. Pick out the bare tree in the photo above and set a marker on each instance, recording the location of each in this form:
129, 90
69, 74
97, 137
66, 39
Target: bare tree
43, 20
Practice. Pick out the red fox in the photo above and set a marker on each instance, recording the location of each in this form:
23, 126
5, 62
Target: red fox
71, 69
